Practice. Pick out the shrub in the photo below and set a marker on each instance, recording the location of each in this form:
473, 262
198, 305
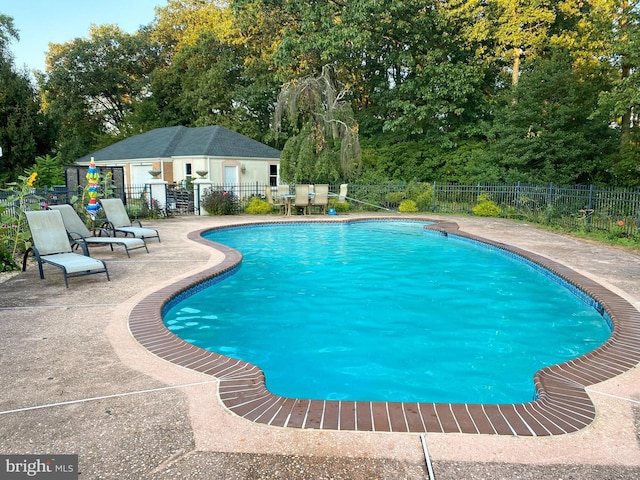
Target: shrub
619, 230
219, 202
424, 201
338, 207
15, 237
257, 206
396, 197
408, 206
341, 207
486, 207
421, 193
7, 262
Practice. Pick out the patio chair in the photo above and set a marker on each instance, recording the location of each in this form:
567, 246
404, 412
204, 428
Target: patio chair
283, 190
269, 194
118, 220
301, 199
342, 196
78, 231
51, 245
321, 197
284, 194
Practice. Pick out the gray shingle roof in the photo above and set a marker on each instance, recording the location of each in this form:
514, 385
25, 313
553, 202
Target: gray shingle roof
212, 141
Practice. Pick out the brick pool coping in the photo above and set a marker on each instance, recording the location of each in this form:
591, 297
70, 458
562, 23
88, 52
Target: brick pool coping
563, 405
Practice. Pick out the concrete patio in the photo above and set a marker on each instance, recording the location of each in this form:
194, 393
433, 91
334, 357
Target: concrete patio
74, 381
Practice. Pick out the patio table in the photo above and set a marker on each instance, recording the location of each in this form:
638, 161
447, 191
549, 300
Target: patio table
287, 200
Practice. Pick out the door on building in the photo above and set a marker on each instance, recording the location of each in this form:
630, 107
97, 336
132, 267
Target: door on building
230, 177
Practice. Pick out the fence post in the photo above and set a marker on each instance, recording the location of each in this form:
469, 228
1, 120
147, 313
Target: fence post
387, 201
518, 197
157, 193
590, 207
200, 186
434, 200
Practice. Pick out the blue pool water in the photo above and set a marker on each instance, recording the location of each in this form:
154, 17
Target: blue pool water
382, 311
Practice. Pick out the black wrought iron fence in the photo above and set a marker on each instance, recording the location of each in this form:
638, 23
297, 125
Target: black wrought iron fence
576, 207
140, 200
581, 206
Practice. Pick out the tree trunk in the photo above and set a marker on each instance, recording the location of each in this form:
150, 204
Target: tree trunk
515, 73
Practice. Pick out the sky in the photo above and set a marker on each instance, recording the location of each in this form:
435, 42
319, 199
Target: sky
40, 22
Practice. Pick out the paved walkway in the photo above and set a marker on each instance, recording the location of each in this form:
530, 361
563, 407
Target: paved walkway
74, 381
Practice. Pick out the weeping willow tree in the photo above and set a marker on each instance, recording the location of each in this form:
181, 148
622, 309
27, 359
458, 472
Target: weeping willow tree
325, 147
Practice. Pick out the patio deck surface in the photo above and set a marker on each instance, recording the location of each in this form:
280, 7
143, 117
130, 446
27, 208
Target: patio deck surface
74, 380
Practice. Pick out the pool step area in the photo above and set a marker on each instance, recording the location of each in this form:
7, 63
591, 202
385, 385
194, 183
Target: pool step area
539, 418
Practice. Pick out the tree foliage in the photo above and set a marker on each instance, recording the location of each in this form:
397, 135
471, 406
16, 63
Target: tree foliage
180, 23
551, 132
326, 146
93, 84
456, 90
24, 131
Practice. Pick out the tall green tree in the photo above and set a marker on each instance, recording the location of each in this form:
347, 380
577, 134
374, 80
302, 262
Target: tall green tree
604, 38
326, 146
622, 101
92, 85
8, 32
180, 23
521, 30
198, 87
213, 82
552, 132
24, 131
405, 64
218, 67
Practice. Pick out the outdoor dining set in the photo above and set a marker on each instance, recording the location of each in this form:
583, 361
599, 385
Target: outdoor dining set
304, 199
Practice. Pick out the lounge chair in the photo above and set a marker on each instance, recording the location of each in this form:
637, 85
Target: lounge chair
78, 231
51, 245
321, 197
118, 220
301, 199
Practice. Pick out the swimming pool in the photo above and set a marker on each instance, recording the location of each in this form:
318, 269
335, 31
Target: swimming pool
316, 283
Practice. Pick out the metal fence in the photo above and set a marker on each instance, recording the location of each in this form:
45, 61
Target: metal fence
139, 199
578, 207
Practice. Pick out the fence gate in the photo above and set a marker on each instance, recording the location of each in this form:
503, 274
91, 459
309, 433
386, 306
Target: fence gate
179, 200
